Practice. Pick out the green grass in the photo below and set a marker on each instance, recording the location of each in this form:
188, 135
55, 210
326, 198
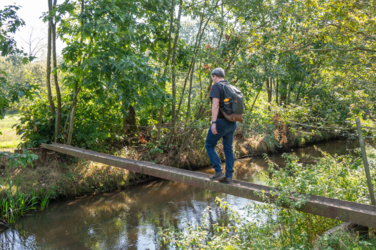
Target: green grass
9, 138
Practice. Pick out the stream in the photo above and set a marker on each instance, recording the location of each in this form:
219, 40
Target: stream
130, 218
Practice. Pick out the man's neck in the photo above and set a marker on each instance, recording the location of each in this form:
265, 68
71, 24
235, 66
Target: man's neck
219, 80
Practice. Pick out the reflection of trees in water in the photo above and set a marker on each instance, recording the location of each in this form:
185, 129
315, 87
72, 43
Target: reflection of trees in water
119, 219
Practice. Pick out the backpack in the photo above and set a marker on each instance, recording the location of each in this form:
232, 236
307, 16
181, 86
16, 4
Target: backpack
232, 103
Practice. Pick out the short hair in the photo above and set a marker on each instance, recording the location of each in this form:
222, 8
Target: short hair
219, 72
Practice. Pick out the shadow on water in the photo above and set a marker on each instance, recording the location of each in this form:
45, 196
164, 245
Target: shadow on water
129, 219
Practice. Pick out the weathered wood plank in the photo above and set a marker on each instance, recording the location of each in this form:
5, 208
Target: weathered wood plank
360, 214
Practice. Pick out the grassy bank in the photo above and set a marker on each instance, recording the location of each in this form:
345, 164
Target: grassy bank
9, 138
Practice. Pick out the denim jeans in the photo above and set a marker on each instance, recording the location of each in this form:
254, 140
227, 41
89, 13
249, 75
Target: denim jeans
226, 130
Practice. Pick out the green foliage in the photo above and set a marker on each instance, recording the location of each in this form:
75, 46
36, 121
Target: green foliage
10, 93
19, 160
94, 124
45, 199
268, 226
344, 240
9, 19
15, 205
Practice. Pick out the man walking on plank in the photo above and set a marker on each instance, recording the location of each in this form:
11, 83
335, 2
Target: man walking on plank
220, 128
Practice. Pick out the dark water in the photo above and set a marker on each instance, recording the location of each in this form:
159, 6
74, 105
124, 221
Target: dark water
129, 219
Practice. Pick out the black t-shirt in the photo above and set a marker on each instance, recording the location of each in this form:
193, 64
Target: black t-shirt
217, 92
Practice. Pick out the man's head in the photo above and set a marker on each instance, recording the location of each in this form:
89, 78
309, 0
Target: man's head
218, 75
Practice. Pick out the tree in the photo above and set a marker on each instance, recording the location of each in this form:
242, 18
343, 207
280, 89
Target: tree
9, 24
34, 42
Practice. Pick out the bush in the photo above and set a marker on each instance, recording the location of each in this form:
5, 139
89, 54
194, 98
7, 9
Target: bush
268, 226
93, 124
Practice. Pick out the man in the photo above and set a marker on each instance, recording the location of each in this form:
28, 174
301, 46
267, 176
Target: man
220, 128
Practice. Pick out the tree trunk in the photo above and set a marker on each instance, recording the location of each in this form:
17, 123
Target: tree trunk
269, 91
284, 90
190, 92
173, 78
50, 100
57, 88
77, 88
161, 110
71, 122
253, 104
169, 34
276, 91
300, 88
288, 94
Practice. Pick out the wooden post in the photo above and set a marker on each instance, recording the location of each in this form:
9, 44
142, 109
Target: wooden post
365, 162
363, 231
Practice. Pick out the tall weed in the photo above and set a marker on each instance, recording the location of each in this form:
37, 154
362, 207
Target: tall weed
16, 205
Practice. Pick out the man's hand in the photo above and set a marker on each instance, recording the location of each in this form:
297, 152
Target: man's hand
214, 129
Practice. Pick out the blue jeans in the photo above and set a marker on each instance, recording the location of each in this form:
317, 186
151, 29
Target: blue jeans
225, 130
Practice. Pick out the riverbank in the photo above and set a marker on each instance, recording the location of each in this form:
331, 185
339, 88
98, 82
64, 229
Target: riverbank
244, 169
65, 177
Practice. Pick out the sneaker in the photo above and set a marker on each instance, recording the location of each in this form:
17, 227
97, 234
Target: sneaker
227, 181
218, 176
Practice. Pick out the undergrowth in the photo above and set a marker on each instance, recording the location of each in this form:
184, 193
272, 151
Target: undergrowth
268, 226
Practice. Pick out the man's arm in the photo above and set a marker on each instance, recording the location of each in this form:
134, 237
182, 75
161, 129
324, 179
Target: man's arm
215, 110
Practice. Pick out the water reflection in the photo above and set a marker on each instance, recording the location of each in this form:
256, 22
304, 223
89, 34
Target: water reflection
130, 219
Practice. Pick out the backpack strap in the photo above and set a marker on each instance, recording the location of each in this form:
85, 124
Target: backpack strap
222, 98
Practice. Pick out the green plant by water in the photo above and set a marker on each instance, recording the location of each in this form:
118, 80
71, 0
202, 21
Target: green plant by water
15, 204
268, 226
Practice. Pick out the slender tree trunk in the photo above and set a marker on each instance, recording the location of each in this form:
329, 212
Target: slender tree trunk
184, 87
169, 34
199, 76
288, 94
161, 110
222, 24
269, 91
190, 92
50, 100
300, 88
173, 77
71, 122
57, 88
276, 91
253, 104
284, 90
77, 88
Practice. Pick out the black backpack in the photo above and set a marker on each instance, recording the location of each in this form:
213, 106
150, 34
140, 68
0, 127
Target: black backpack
232, 103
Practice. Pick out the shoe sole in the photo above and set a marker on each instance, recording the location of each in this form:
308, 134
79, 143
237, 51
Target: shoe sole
225, 182
217, 178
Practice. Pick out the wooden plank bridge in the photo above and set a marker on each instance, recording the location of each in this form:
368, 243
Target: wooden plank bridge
356, 213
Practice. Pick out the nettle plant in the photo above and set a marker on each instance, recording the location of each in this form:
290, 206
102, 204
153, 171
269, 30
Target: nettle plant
19, 159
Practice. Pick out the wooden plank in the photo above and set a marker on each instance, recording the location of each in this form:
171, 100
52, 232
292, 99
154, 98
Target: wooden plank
332, 208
